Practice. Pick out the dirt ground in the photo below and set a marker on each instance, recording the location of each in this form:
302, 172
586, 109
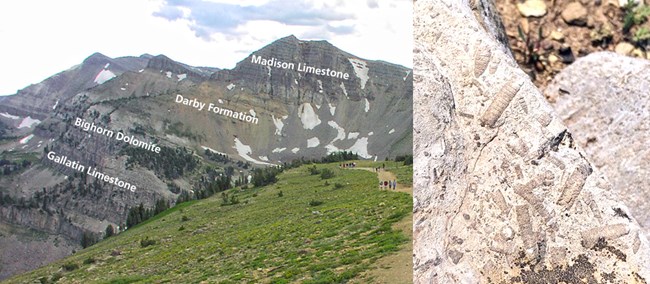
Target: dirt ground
593, 25
396, 268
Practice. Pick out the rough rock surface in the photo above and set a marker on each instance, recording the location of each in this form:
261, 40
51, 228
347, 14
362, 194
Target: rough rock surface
503, 194
610, 117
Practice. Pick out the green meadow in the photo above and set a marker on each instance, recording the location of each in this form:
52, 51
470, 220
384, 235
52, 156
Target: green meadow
301, 229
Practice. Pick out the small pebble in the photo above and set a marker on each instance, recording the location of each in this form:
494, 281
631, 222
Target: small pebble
532, 8
557, 35
575, 14
624, 48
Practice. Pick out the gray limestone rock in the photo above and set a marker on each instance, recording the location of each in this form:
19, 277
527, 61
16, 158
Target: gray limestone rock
603, 98
502, 192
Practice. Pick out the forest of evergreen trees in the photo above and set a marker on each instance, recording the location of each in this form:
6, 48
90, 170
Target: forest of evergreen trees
169, 163
8, 167
140, 214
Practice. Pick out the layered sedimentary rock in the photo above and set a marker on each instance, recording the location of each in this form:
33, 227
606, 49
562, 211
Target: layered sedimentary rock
502, 192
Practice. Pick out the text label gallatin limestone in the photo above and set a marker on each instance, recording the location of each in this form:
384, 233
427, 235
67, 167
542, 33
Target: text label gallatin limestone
75, 165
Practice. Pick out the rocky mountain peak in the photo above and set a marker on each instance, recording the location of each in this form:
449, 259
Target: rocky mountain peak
97, 58
163, 62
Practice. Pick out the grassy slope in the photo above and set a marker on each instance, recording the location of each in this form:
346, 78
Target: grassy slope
265, 238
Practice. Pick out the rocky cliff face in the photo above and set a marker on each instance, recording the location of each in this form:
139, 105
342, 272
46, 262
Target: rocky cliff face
205, 120
502, 191
603, 99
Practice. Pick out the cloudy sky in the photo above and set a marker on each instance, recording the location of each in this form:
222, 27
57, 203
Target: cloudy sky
42, 37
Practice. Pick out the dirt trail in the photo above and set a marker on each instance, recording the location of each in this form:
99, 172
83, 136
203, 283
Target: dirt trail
395, 268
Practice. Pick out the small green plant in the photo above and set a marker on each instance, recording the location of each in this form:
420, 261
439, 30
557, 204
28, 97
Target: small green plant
641, 36
182, 228
326, 174
56, 277
338, 186
185, 218
408, 160
313, 170
147, 242
110, 231
231, 199
89, 260
315, 202
532, 47
634, 15
280, 194
70, 266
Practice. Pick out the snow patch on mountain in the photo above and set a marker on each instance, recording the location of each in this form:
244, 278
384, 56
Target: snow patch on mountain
55, 104
264, 158
367, 108
295, 150
181, 76
169, 74
26, 139
391, 131
371, 133
340, 135
345, 92
407, 75
361, 148
245, 151
313, 142
28, 122
9, 116
104, 76
278, 150
212, 150
331, 148
308, 116
332, 108
230, 87
353, 135
320, 86
106, 66
278, 124
360, 69
252, 112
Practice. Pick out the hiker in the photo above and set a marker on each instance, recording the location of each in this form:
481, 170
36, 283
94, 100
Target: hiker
385, 183
380, 184
394, 184
383, 166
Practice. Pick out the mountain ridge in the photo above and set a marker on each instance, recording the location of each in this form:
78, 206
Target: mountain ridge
298, 115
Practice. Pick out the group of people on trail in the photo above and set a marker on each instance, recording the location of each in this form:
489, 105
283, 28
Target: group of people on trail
348, 165
388, 184
383, 166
